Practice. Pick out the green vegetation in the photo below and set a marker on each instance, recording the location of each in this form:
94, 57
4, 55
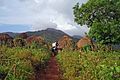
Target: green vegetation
19, 63
103, 18
99, 65
29, 53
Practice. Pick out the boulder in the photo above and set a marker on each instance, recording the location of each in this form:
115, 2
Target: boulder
36, 39
65, 42
84, 41
5, 39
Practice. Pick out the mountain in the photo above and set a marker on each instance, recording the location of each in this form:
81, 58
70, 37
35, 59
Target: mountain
77, 36
50, 34
12, 34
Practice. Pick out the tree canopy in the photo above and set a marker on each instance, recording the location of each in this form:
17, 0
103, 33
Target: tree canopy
103, 18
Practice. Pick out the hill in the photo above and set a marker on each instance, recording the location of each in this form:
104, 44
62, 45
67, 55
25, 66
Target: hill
77, 36
50, 34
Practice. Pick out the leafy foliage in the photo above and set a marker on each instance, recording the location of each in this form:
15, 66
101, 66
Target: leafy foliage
103, 18
91, 66
19, 63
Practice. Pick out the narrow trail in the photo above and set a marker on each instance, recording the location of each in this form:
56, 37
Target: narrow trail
51, 72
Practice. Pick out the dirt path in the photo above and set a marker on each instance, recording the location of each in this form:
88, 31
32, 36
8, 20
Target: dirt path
51, 72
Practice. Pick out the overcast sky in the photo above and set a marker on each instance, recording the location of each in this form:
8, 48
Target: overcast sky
40, 14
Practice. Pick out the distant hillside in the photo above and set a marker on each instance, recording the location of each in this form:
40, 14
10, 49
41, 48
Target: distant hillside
12, 34
77, 36
49, 34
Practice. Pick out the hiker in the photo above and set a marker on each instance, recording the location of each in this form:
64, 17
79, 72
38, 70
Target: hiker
54, 48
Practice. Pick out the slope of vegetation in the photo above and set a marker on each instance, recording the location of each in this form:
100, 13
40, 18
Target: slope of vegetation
20, 63
99, 65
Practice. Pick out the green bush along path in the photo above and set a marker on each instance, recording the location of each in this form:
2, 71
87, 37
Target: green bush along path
37, 64
21, 63
99, 65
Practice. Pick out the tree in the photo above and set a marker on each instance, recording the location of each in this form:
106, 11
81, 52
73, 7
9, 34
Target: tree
103, 18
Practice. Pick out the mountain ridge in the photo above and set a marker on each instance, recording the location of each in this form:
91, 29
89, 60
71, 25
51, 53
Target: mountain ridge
49, 34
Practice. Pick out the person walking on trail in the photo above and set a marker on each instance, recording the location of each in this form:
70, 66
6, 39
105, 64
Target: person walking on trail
54, 48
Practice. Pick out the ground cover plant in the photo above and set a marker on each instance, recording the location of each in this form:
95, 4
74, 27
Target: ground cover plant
101, 65
20, 63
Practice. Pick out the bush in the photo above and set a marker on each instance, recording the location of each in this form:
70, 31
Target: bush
99, 65
19, 63
87, 48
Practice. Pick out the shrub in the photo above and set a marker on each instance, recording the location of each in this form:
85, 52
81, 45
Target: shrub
18, 63
99, 65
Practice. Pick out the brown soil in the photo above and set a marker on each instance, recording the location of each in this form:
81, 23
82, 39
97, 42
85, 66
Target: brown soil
51, 72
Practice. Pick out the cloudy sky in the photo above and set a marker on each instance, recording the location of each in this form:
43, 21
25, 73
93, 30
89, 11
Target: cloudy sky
31, 15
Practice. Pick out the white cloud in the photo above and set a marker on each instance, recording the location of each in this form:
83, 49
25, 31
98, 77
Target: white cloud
37, 1
43, 24
43, 14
